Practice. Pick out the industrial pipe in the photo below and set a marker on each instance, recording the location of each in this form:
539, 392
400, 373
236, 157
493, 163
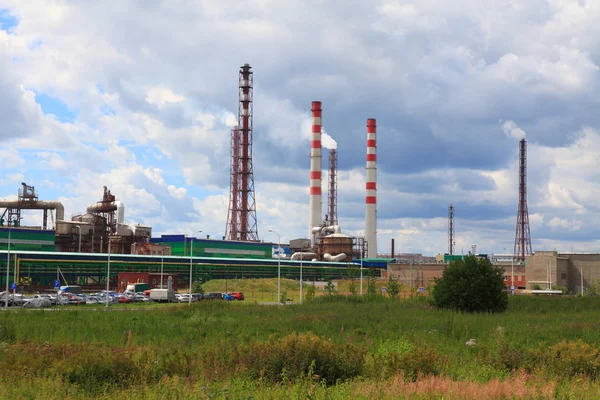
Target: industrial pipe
102, 207
37, 205
303, 255
336, 258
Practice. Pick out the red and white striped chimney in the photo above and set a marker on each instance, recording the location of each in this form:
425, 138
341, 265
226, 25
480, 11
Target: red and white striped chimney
371, 198
314, 212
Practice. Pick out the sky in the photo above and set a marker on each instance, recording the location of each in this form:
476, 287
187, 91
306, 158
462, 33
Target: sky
141, 97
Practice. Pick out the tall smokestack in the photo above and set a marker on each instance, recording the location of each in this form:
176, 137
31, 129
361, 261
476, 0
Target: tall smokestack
314, 212
333, 166
523, 233
371, 199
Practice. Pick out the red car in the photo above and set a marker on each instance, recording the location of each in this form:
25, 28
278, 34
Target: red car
125, 299
237, 295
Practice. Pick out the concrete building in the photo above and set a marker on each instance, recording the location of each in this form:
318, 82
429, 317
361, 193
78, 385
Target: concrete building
548, 269
423, 275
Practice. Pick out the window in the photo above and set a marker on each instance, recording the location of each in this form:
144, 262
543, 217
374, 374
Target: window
505, 277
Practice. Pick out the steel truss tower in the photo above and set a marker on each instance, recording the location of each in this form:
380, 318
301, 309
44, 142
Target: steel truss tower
242, 223
333, 166
451, 239
523, 234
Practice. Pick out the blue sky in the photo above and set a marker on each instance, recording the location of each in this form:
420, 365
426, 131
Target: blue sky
96, 96
7, 20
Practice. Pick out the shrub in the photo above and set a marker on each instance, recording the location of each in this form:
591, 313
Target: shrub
393, 286
352, 288
397, 356
295, 356
471, 285
7, 332
97, 372
197, 287
573, 358
330, 288
371, 280
511, 358
310, 292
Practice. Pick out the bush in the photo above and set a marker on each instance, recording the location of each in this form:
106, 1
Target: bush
352, 288
393, 288
197, 287
574, 358
7, 332
471, 285
330, 288
296, 355
310, 292
397, 356
371, 281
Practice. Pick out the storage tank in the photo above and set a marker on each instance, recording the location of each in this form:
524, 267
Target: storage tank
337, 243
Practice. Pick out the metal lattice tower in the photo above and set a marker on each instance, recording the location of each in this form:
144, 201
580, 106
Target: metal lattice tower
233, 215
247, 223
523, 234
333, 165
451, 240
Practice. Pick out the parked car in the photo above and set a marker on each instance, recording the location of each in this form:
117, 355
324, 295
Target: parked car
213, 296
185, 298
237, 295
139, 297
16, 299
50, 297
227, 296
125, 299
198, 296
69, 298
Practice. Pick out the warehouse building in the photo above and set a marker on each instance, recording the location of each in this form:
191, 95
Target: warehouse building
549, 269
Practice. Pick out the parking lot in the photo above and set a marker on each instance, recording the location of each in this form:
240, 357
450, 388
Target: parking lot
63, 298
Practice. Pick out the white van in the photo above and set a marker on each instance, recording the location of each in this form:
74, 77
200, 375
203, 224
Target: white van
162, 295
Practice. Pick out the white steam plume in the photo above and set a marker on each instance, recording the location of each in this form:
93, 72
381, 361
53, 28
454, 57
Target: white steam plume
327, 141
512, 130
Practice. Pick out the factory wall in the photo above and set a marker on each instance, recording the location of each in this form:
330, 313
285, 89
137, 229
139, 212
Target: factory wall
563, 269
423, 275
180, 246
28, 239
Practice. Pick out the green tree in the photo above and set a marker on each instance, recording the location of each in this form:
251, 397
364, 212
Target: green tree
352, 274
197, 287
371, 280
330, 288
352, 288
310, 292
394, 286
471, 285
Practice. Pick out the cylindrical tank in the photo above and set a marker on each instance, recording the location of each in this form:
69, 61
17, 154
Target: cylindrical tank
336, 244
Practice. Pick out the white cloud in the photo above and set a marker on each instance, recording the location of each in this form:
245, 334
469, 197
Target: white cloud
512, 130
161, 96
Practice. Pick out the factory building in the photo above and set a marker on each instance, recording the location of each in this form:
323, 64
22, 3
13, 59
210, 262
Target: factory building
181, 245
547, 269
27, 239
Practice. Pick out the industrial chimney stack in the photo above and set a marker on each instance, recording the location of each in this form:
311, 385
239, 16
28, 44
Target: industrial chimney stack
522, 233
371, 198
314, 212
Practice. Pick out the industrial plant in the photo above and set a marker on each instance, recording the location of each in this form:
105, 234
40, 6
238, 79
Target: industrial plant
77, 251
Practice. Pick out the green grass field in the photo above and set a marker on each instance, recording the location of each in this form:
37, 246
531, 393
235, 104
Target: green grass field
331, 347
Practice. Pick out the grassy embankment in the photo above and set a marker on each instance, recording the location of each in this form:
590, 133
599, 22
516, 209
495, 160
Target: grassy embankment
265, 290
331, 347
